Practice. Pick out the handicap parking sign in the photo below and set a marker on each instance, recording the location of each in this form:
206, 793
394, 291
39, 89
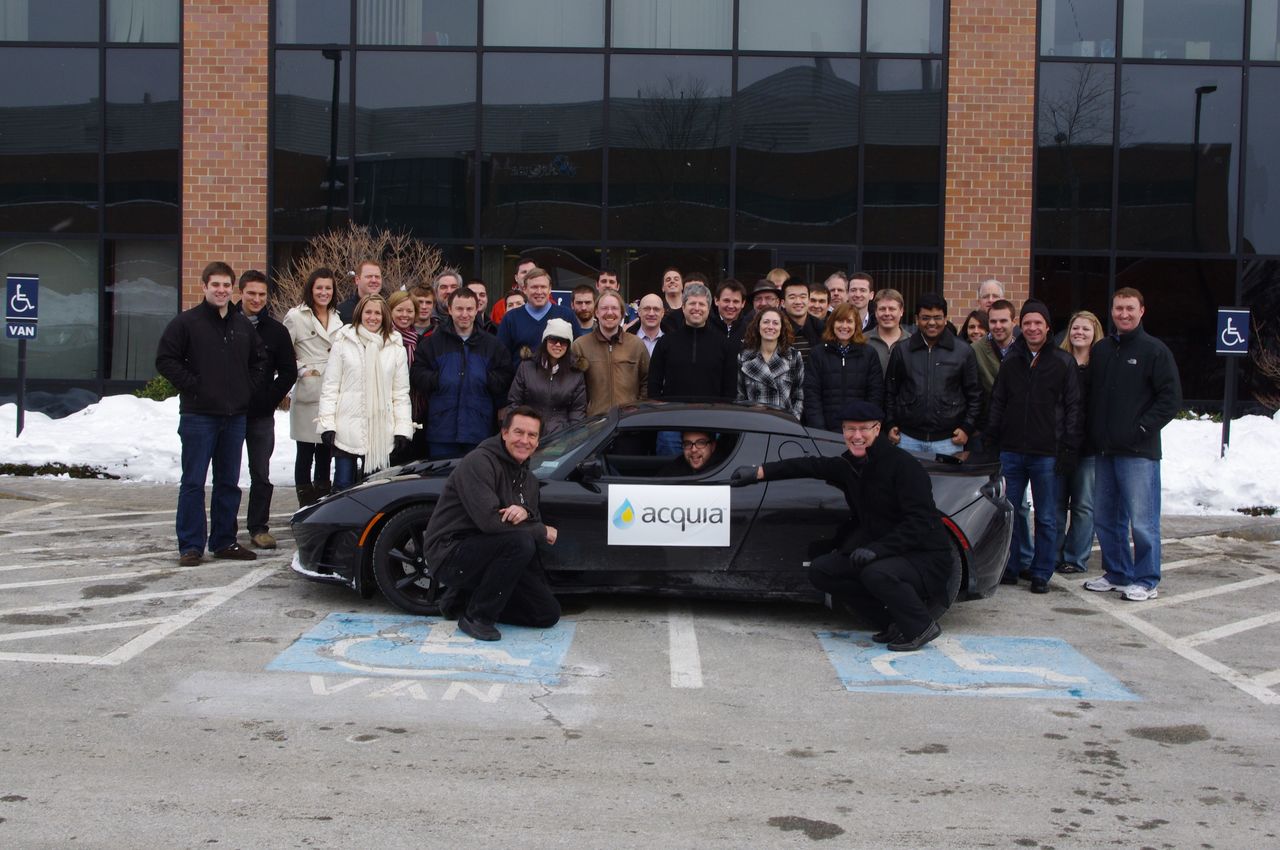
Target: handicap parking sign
970, 665
428, 648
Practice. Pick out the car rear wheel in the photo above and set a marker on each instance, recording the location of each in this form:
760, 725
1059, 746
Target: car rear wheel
955, 577
400, 561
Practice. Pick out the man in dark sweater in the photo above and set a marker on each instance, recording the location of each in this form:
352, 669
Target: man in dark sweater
368, 281
1134, 391
260, 421
214, 357
894, 556
483, 536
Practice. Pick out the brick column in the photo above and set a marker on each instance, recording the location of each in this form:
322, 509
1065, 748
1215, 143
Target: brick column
990, 143
224, 137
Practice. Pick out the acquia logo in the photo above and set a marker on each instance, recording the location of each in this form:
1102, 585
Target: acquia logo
669, 515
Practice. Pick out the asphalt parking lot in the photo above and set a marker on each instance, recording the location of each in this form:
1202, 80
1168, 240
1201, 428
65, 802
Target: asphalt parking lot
235, 705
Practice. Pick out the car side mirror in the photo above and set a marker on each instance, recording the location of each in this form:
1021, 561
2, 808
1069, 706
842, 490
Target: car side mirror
590, 470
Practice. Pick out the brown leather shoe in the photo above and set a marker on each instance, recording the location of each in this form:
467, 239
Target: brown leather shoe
235, 552
190, 559
263, 540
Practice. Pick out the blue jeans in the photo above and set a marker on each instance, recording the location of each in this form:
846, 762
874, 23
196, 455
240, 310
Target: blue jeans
668, 443
209, 439
1037, 470
1075, 544
928, 447
1126, 500
344, 470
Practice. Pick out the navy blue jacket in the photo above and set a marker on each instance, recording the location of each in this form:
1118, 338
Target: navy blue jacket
464, 383
832, 380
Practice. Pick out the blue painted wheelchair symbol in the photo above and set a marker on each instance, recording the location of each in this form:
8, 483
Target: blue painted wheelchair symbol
426, 648
1047, 668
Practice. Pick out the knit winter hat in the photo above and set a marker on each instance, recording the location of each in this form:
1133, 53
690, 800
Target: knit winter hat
558, 328
1035, 306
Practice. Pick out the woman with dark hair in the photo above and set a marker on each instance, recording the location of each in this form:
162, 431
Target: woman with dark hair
364, 402
975, 326
843, 369
404, 313
770, 370
312, 326
551, 381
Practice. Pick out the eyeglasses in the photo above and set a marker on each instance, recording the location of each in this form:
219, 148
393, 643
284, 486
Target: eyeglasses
861, 429
695, 444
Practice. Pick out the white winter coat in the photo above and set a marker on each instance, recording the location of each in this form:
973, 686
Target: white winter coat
311, 344
348, 405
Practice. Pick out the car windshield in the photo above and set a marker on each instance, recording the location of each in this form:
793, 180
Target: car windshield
561, 445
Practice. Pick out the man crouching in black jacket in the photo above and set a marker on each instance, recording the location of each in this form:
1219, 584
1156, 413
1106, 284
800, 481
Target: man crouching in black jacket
895, 554
482, 539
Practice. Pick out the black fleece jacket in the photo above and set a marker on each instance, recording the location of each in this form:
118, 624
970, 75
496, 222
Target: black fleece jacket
1134, 391
216, 362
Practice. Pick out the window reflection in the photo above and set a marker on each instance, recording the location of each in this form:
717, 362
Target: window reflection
904, 26
415, 141
41, 20
1264, 35
313, 21
1184, 29
1071, 283
1178, 135
67, 345
670, 121
144, 20
1262, 167
903, 111
805, 26
1074, 151
910, 273
51, 118
1077, 28
673, 24
797, 166
416, 22
144, 129
543, 136
1260, 292
544, 23
640, 269
142, 296
310, 160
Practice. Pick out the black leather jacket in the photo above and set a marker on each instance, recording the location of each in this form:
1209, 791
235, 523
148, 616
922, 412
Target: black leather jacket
932, 391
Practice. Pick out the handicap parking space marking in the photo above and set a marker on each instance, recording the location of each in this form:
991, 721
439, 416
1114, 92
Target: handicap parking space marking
406, 647
971, 665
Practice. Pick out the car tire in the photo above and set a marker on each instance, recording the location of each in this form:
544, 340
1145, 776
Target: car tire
400, 562
955, 577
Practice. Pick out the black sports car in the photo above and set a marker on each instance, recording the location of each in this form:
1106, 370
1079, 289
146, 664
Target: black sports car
627, 524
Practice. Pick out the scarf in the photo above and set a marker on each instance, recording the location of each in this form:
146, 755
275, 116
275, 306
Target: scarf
377, 401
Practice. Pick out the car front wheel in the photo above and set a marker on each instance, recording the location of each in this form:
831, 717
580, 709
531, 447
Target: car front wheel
400, 561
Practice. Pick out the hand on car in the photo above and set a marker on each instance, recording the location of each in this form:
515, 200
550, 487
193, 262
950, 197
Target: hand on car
861, 557
514, 514
552, 534
894, 435
959, 437
744, 476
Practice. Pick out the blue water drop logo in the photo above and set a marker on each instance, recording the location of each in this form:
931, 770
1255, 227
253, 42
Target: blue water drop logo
625, 515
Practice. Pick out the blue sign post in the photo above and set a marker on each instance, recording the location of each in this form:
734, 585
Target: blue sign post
1232, 341
21, 318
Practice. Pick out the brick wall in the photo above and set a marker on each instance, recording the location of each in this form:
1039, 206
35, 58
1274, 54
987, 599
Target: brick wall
224, 137
991, 138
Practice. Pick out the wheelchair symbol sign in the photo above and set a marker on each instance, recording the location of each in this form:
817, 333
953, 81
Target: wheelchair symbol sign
1233, 331
21, 306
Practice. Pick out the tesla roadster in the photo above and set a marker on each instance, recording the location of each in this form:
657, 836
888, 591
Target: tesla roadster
627, 525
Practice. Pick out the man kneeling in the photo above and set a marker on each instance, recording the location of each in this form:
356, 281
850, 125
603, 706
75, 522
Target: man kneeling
894, 553
484, 535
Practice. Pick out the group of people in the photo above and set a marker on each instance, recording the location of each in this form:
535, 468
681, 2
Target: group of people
432, 371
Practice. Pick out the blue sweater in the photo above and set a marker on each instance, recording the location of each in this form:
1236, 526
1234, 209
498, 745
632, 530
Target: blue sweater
519, 328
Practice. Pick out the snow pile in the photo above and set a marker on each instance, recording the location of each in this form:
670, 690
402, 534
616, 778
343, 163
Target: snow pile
137, 439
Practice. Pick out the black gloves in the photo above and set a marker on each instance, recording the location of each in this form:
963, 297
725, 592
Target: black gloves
402, 442
327, 438
743, 476
861, 557
1065, 464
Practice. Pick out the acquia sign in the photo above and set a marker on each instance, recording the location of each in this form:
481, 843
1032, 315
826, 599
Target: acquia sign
656, 515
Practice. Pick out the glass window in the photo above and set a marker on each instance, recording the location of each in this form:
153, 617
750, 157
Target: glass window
67, 343
1072, 283
1262, 164
1264, 36
904, 26
1074, 155
640, 269
903, 111
415, 141
313, 21
40, 20
1179, 129
309, 167
144, 20
49, 148
805, 26
797, 168
1260, 292
1182, 297
142, 297
1077, 27
544, 23
543, 137
909, 273
417, 22
670, 122
144, 132
1183, 29
673, 24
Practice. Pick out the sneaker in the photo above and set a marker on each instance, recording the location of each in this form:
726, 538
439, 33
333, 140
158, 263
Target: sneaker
263, 540
1139, 593
235, 552
1101, 585
190, 559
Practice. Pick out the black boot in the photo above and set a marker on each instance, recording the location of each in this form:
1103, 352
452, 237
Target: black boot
322, 489
306, 494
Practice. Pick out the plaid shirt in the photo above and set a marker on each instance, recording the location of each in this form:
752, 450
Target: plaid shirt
777, 383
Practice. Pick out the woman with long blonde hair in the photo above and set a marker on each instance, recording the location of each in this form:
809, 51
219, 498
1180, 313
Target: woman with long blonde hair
1075, 485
